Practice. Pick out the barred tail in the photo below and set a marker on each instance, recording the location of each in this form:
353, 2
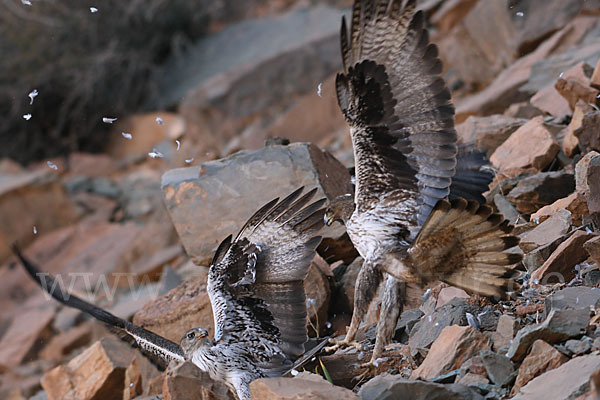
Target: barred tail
463, 244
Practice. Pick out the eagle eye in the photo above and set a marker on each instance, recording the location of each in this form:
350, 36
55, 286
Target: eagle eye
191, 335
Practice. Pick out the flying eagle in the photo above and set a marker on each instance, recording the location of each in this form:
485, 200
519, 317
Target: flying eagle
402, 128
255, 285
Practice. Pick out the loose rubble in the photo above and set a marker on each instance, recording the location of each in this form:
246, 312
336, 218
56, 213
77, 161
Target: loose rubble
133, 230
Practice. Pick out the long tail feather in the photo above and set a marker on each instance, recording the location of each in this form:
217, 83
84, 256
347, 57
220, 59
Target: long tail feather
148, 341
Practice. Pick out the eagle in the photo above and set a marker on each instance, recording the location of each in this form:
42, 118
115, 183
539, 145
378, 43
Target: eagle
415, 214
255, 286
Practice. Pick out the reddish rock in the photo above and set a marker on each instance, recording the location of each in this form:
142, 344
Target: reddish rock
575, 203
451, 349
145, 132
595, 79
588, 135
31, 199
91, 165
592, 247
522, 310
97, 373
470, 378
448, 293
93, 208
65, 342
305, 386
488, 132
516, 152
559, 266
451, 13
186, 382
565, 382
318, 295
82, 256
581, 172
149, 267
522, 110
326, 119
548, 231
593, 180
25, 336
551, 102
570, 142
174, 313
574, 91
505, 88
542, 357
505, 331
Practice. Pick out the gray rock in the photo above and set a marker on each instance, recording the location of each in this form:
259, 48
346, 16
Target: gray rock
391, 387
208, 202
548, 231
408, 319
169, 279
258, 49
425, 331
558, 326
568, 381
579, 347
593, 179
541, 189
498, 367
573, 298
506, 208
534, 259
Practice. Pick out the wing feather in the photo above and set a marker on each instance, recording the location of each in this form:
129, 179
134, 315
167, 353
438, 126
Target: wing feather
390, 66
256, 290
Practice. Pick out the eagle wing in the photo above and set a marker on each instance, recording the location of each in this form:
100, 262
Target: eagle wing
256, 282
397, 105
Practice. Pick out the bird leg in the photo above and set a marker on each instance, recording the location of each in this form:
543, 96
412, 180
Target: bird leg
391, 308
367, 282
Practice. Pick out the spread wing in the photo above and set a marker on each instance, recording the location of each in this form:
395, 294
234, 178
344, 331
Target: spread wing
397, 105
149, 342
256, 282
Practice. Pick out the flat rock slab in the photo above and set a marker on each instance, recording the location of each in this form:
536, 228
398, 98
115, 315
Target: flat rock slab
177, 311
100, 372
559, 266
515, 153
24, 333
536, 191
391, 387
213, 200
559, 325
546, 232
573, 298
452, 348
565, 382
305, 386
31, 199
542, 357
498, 367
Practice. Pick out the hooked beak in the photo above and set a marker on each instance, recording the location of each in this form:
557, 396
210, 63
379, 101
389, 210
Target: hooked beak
328, 218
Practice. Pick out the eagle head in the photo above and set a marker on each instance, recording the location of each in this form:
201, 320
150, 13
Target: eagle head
193, 339
340, 209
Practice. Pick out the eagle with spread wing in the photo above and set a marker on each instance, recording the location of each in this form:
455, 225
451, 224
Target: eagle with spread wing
416, 212
255, 286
